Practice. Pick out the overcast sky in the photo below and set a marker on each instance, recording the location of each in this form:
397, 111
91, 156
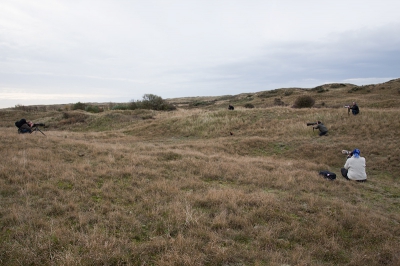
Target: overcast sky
65, 51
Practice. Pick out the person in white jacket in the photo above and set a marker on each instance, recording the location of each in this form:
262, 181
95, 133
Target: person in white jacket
354, 169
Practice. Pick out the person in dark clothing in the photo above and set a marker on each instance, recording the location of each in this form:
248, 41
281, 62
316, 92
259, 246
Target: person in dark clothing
24, 126
354, 108
27, 126
322, 128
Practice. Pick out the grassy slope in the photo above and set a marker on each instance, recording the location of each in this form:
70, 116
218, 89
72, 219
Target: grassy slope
176, 188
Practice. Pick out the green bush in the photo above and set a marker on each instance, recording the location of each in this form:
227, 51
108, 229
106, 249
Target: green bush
93, 109
152, 102
249, 105
304, 101
120, 107
79, 106
133, 105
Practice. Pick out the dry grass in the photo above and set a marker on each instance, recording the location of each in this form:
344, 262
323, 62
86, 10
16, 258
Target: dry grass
176, 188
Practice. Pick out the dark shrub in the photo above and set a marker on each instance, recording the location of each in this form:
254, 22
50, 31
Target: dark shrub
319, 89
249, 105
152, 102
288, 92
93, 109
133, 105
337, 85
278, 101
79, 106
304, 101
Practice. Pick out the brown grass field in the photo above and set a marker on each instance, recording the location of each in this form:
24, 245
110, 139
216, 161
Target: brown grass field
176, 188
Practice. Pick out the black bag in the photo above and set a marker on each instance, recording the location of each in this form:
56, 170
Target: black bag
19, 123
328, 175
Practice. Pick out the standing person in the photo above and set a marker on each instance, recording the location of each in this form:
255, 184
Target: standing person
354, 169
322, 128
354, 108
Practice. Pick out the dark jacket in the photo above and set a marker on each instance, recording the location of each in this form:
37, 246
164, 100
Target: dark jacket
354, 109
321, 127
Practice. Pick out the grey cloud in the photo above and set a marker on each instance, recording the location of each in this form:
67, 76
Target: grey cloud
176, 49
316, 62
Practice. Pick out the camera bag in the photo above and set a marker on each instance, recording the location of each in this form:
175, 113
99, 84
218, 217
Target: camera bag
328, 175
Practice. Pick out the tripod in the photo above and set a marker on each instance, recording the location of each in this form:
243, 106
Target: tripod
36, 128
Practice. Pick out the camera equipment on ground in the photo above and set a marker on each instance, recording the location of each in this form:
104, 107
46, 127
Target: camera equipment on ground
35, 128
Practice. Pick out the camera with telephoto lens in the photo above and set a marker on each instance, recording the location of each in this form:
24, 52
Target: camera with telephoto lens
311, 124
348, 153
38, 125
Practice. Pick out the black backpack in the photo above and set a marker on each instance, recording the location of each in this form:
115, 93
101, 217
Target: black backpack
328, 175
19, 123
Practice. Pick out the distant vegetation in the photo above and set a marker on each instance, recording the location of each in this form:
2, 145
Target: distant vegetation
79, 106
201, 103
320, 89
151, 102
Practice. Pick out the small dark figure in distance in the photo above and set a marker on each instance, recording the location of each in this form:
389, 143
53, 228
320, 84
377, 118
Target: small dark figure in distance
354, 169
321, 127
354, 108
230, 107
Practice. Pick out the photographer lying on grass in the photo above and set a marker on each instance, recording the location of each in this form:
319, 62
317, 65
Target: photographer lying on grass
354, 169
27, 126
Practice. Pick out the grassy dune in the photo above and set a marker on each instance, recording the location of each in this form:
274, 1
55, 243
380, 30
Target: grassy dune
177, 188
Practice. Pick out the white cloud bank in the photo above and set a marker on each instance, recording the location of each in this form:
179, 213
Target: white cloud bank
67, 51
